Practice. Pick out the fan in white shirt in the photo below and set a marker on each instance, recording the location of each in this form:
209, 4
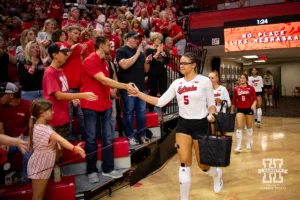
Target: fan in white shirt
257, 82
220, 92
195, 99
100, 20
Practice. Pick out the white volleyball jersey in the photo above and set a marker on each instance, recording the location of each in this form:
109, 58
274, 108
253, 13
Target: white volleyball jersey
193, 97
256, 82
268, 80
222, 93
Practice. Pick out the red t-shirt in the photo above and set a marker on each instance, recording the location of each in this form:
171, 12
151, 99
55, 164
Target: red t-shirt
55, 10
91, 66
74, 22
149, 7
175, 29
73, 66
243, 97
164, 30
26, 25
174, 51
54, 80
15, 119
90, 48
157, 23
12, 69
114, 45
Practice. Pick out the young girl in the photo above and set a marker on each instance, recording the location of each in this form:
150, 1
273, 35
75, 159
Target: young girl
244, 98
42, 161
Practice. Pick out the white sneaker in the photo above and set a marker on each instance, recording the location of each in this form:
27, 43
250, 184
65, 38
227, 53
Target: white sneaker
258, 125
133, 141
268, 103
113, 174
93, 178
218, 181
271, 104
249, 145
238, 149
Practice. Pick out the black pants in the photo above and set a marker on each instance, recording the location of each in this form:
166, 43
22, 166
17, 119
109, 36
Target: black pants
157, 80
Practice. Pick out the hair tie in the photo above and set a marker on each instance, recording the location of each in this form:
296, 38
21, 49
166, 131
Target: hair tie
32, 117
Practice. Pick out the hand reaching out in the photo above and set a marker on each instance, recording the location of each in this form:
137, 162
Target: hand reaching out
134, 92
90, 96
23, 145
79, 150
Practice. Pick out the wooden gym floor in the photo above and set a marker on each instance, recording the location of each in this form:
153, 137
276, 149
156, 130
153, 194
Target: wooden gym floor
277, 138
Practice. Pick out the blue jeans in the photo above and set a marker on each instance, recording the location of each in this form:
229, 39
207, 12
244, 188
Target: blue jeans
113, 117
12, 150
91, 118
79, 115
132, 104
32, 95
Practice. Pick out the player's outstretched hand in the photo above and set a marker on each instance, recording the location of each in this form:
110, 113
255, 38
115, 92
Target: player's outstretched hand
90, 96
79, 150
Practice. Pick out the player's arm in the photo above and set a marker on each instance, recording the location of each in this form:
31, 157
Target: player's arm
261, 82
210, 98
254, 98
159, 102
10, 141
272, 80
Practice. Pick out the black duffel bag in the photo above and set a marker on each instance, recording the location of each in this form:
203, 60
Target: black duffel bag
215, 150
226, 120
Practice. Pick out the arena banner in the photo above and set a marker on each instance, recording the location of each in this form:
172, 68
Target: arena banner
271, 36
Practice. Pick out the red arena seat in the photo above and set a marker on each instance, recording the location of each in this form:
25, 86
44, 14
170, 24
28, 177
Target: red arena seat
151, 120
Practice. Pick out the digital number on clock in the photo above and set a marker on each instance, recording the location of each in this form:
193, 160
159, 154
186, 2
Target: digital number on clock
262, 21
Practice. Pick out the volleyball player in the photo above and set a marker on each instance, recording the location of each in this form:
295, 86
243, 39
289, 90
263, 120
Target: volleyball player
269, 87
257, 82
220, 92
196, 103
244, 98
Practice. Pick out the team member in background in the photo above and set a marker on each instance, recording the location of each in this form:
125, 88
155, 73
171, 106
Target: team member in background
268, 88
220, 92
257, 82
196, 103
244, 98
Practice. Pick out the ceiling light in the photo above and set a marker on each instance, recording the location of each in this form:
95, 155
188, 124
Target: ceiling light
251, 57
259, 61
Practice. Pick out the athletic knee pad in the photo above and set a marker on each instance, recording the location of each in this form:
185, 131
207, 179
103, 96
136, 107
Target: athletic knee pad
184, 174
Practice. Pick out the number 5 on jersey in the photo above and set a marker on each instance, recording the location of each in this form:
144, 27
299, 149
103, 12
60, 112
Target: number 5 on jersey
186, 100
